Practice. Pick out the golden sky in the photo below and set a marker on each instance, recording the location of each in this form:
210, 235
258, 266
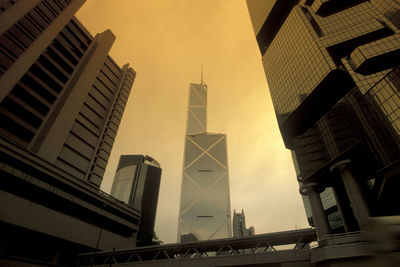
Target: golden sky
166, 41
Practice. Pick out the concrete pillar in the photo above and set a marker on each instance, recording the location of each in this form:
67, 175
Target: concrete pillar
353, 190
341, 210
317, 210
343, 203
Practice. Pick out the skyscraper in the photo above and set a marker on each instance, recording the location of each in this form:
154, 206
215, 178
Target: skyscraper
62, 96
239, 225
61, 101
333, 74
204, 211
137, 183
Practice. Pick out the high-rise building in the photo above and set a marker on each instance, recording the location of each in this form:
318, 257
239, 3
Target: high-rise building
333, 74
61, 101
239, 225
61, 92
204, 211
137, 183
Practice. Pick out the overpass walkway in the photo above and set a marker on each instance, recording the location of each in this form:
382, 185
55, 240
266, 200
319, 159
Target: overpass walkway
249, 250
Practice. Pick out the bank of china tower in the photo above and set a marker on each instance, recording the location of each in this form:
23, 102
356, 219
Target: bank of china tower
204, 211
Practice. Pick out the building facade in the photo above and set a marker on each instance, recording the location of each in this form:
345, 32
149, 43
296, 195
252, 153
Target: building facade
61, 101
239, 225
137, 183
333, 74
204, 211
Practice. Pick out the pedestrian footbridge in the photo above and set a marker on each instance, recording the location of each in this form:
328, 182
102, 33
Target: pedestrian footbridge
243, 251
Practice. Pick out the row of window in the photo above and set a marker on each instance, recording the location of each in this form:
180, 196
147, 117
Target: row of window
22, 34
112, 124
34, 95
83, 152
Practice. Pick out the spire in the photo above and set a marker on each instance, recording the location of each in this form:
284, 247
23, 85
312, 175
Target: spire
201, 80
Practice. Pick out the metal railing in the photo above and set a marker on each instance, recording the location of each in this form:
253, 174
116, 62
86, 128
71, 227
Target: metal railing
263, 243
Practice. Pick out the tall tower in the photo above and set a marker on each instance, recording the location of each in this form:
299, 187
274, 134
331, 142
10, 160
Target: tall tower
62, 96
204, 211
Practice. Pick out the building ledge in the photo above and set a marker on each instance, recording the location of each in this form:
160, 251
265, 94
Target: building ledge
29, 177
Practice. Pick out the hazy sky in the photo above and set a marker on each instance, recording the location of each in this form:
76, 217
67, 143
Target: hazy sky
166, 41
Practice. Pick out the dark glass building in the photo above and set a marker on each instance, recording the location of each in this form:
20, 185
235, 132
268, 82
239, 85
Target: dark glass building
61, 102
137, 183
333, 72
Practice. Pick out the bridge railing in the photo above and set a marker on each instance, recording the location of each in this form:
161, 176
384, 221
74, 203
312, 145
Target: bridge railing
220, 247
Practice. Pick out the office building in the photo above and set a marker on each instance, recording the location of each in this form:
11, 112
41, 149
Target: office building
334, 78
204, 211
61, 101
239, 225
137, 183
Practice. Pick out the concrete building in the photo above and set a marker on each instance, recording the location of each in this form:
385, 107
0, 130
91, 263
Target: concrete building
333, 73
137, 183
61, 101
239, 225
204, 211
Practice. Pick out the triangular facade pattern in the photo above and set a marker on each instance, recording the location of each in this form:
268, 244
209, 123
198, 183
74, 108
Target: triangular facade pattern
205, 200
197, 113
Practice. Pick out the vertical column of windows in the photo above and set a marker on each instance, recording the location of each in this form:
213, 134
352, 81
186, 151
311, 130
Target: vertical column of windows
79, 39
112, 67
80, 31
22, 34
110, 130
32, 98
79, 146
70, 45
87, 135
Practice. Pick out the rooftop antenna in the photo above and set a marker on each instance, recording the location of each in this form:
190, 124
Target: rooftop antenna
202, 82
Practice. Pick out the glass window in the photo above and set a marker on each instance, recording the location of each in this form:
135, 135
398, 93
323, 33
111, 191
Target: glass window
123, 181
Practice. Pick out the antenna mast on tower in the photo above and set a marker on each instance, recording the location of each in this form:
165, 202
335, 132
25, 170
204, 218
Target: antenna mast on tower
201, 80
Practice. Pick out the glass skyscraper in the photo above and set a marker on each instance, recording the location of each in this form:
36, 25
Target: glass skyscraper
137, 183
333, 72
204, 211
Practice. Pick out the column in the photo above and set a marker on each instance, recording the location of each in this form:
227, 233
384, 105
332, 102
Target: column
317, 210
349, 221
353, 190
